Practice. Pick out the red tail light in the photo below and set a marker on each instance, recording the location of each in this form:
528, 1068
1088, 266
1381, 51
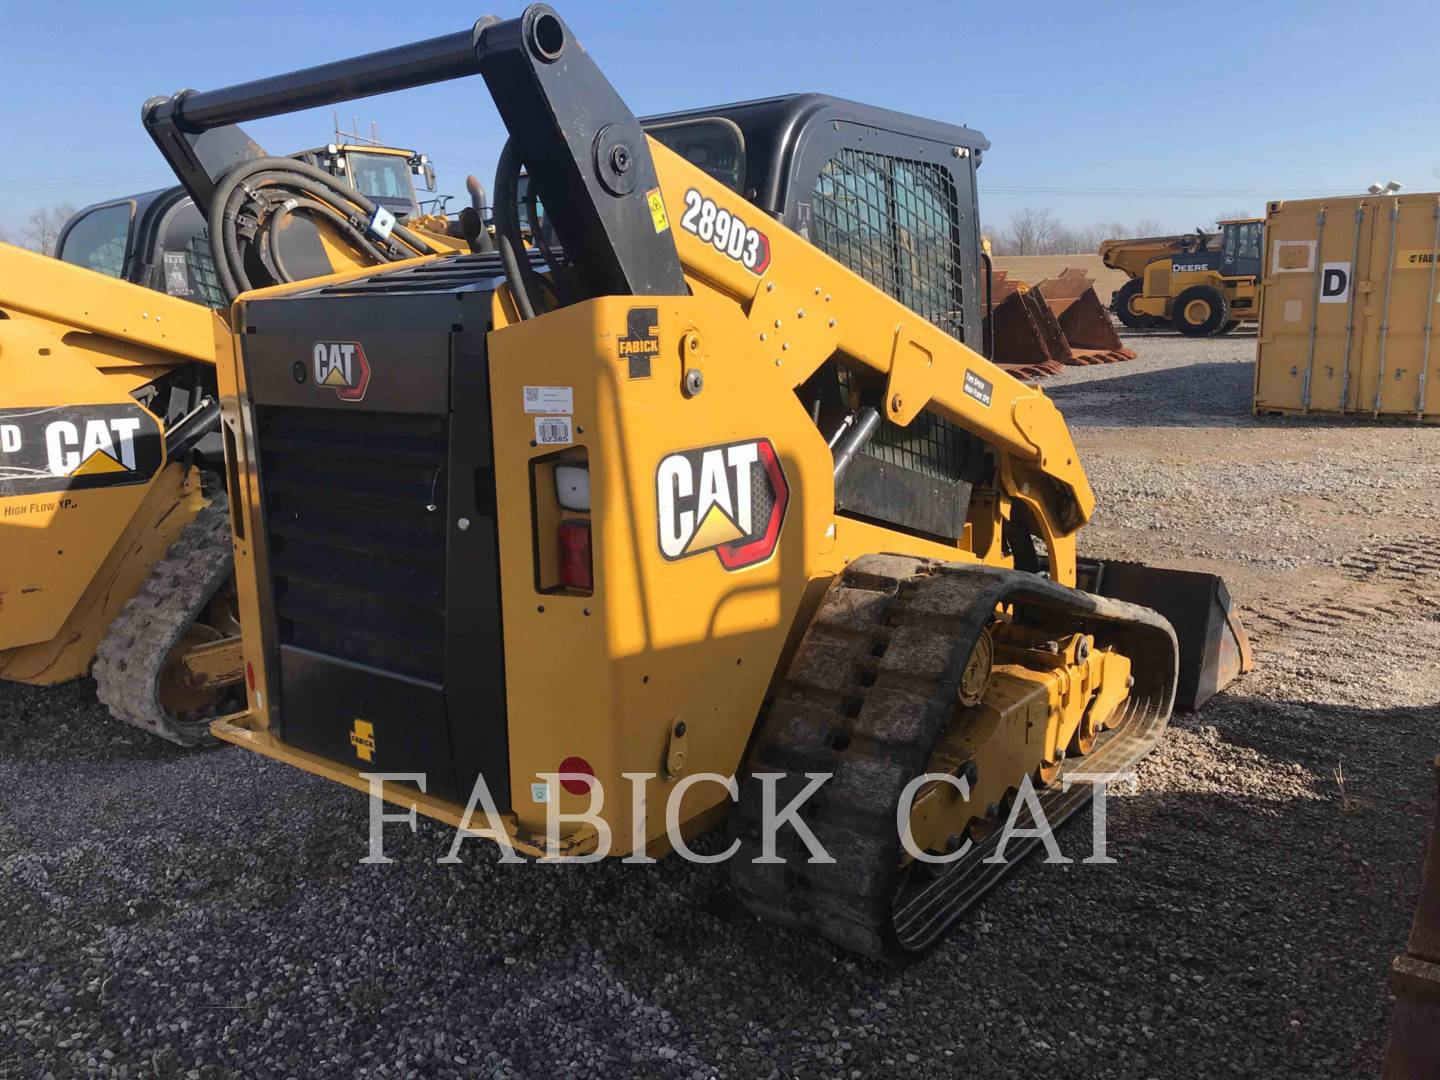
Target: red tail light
575, 570
576, 775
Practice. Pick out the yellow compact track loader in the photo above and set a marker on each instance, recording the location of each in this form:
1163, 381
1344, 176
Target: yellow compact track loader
114, 545
704, 484
115, 551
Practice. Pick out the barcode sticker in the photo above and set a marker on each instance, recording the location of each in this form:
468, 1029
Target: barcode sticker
553, 430
550, 399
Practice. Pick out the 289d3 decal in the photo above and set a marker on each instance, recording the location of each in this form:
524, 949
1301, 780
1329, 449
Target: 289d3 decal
729, 499
726, 232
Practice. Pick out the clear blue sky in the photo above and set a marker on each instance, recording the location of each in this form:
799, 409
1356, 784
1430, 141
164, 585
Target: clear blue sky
1097, 111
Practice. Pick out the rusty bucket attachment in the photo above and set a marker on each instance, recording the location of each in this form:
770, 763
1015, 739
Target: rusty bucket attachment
1214, 648
1026, 340
1083, 319
1413, 1050
1059, 323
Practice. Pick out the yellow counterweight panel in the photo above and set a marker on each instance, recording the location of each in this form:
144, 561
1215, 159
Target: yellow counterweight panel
660, 641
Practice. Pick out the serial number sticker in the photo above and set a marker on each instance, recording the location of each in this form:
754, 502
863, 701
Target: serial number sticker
549, 399
727, 233
553, 430
539, 792
978, 388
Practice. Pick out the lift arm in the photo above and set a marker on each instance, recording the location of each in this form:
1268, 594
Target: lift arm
586, 152
610, 205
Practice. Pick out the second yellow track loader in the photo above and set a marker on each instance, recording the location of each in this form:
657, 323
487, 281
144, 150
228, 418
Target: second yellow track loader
710, 484
114, 549
115, 552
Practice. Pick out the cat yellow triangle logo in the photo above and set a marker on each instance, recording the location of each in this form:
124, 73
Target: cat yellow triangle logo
97, 463
335, 377
716, 529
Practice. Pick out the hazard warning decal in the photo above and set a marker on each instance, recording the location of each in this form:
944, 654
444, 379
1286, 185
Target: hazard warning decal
75, 447
341, 366
729, 499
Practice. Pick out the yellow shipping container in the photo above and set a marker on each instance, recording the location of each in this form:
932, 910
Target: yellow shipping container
1347, 307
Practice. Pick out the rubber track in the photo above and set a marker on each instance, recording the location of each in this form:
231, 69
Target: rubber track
129, 660
869, 691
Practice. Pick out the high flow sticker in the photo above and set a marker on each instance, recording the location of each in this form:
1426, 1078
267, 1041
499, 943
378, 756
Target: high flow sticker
76, 447
729, 499
979, 388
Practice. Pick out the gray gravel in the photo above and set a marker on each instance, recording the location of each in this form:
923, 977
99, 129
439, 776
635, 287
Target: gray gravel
203, 914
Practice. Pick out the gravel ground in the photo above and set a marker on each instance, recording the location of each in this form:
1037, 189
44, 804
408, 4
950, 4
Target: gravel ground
203, 914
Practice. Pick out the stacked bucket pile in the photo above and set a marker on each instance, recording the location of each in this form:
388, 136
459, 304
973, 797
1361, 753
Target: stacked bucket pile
1039, 330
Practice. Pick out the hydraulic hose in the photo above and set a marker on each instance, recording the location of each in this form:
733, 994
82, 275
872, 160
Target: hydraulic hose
508, 241
255, 197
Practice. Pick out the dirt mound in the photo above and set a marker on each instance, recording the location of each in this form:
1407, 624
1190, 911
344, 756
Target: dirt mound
1034, 268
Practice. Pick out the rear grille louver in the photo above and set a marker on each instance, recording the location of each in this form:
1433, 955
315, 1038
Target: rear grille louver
355, 511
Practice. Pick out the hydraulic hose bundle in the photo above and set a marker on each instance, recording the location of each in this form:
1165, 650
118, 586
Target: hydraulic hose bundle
253, 201
527, 285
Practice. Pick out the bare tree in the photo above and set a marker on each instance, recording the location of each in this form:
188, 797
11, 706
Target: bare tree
1038, 232
1231, 215
41, 229
1030, 232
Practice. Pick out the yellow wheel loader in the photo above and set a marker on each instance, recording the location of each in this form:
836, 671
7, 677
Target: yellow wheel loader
711, 481
115, 551
1130, 255
1201, 284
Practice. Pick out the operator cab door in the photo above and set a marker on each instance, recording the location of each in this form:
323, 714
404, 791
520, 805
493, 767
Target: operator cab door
1240, 251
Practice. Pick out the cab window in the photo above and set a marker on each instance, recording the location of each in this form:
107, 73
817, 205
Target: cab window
98, 241
712, 143
1243, 241
381, 176
1249, 242
187, 263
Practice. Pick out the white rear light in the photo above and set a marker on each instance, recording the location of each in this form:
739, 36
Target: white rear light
572, 486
